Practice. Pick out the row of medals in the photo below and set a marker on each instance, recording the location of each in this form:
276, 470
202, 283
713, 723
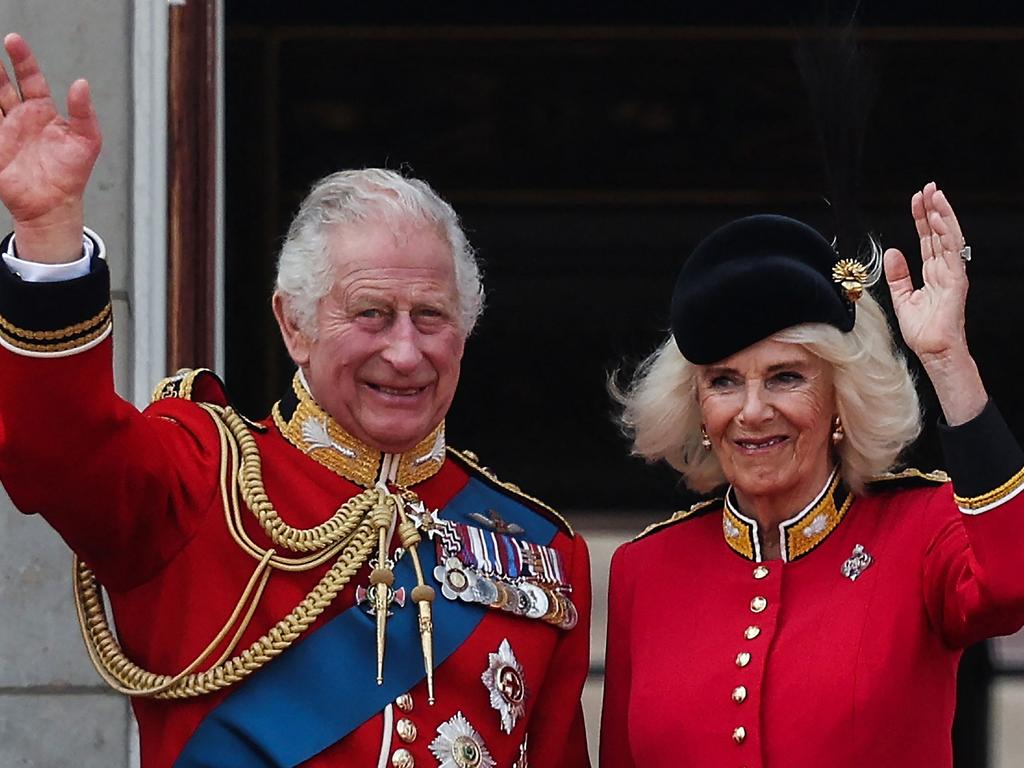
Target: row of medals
519, 597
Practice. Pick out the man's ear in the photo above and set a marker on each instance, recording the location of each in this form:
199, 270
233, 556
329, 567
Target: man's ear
295, 339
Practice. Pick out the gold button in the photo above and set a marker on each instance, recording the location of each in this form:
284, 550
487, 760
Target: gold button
402, 758
739, 694
739, 735
406, 730
742, 659
751, 632
404, 702
760, 572
758, 604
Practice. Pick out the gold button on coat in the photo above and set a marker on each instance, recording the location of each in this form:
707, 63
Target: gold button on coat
739, 694
739, 735
402, 758
742, 659
751, 632
406, 730
760, 572
404, 702
758, 604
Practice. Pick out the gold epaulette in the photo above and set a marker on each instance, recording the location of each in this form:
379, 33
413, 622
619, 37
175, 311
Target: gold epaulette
199, 385
907, 478
472, 462
183, 384
678, 517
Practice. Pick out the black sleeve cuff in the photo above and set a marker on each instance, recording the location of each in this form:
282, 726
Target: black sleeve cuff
58, 318
983, 458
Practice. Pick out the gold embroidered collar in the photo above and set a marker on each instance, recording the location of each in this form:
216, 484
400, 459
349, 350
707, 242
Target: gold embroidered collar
800, 533
309, 428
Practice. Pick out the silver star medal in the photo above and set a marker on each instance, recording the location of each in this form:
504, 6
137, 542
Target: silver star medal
458, 745
856, 563
456, 581
506, 683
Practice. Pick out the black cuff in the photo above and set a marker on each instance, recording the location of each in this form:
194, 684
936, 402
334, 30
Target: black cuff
983, 458
61, 317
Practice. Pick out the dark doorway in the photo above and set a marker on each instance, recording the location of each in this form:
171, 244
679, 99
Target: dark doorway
586, 154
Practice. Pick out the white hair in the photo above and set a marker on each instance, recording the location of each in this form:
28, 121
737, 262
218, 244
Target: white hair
304, 268
875, 398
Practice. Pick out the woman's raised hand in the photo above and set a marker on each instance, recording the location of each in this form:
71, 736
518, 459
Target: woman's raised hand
45, 158
931, 317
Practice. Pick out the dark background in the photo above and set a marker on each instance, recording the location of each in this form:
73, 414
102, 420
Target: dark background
587, 149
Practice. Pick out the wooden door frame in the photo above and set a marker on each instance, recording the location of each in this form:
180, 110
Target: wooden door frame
194, 185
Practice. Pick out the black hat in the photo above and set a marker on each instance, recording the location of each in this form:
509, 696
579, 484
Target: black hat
751, 278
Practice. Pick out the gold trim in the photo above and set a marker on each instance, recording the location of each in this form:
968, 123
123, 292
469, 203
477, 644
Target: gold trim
512, 488
993, 496
81, 341
742, 541
345, 454
178, 385
801, 533
676, 517
806, 534
935, 476
61, 333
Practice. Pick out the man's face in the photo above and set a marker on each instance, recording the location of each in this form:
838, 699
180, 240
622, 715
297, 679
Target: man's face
385, 359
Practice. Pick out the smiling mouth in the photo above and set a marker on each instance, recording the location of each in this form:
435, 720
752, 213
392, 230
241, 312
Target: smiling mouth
761, 443
396, 391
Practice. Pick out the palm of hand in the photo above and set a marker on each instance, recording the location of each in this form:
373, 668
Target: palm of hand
43, 163
931, 318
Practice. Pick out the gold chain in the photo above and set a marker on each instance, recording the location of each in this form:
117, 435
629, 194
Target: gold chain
361, 516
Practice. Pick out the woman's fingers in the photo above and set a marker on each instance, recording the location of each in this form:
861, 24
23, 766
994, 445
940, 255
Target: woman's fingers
924, 230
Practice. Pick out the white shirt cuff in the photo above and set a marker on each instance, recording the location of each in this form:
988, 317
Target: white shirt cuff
37, 272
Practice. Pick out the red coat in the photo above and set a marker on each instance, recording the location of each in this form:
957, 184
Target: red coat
137, 497
717, 660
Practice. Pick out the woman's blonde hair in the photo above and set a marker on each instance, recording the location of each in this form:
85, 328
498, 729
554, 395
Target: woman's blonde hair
875, 398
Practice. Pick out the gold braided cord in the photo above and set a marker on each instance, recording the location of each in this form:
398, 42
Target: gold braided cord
338, 528
99, 318
127, 677
81, 341
997, 494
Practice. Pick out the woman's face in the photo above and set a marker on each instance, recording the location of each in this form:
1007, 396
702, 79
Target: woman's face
768, 411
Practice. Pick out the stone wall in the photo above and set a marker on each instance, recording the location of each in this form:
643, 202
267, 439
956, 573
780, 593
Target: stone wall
54, 711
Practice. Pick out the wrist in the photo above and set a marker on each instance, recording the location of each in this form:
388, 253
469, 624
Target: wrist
55, 240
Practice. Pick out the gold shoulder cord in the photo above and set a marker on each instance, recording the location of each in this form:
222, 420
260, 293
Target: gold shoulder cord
351, 534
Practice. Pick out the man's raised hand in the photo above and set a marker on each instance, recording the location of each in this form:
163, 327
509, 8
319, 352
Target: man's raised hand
45, 158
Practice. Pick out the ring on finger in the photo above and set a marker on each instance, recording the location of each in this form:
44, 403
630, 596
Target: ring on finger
965, 253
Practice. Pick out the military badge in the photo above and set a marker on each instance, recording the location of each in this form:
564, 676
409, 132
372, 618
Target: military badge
458, 745
506, 683
522, 761
501, 571
857, 563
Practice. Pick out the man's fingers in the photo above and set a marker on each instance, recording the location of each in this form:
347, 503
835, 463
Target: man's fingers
9, 97
897, 275
30, 78
81, 115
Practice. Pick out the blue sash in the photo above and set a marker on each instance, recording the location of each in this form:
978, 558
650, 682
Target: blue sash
324, 687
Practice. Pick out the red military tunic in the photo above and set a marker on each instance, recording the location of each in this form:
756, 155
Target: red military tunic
841, 654
138, 497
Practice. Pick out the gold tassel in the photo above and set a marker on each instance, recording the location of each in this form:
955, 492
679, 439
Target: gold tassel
381, 578
422, 594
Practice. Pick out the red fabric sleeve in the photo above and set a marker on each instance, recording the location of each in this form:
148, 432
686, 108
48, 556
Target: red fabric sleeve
557, 736
974, 585
125, 490
615, 749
